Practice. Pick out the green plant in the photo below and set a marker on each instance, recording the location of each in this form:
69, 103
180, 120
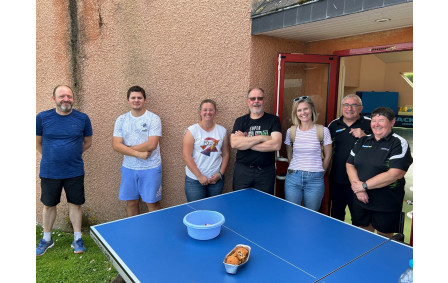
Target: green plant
60, 264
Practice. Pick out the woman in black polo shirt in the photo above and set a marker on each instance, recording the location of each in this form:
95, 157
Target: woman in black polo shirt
376, 167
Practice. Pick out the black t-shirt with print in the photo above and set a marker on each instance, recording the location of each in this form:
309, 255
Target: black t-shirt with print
265, 125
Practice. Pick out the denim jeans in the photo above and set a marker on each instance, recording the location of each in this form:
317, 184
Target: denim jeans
195, 191
306, 186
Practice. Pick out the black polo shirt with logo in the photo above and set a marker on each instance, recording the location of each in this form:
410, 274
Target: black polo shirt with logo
370, 158
343, 142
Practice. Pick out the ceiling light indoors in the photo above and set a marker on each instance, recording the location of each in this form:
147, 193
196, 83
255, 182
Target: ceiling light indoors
383, 20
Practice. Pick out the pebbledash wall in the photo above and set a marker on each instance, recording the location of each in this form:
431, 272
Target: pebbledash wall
180, 52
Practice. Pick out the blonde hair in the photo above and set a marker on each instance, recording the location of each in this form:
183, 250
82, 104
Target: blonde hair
295, 120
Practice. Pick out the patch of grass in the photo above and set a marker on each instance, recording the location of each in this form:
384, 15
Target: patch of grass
60, 264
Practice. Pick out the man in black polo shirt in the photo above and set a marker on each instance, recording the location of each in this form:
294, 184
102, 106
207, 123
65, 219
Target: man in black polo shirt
376, 167
257, 136
345, 131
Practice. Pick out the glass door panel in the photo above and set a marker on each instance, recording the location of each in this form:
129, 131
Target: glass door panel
304, 75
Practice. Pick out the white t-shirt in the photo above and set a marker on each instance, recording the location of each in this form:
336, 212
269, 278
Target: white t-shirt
135, 131
207, 150
306, 153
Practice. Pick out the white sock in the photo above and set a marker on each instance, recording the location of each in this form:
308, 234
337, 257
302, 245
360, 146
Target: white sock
77, 235
47, 236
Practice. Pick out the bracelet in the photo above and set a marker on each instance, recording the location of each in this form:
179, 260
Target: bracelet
220, 175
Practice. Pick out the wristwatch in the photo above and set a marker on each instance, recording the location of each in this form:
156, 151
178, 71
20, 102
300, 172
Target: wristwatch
364, 186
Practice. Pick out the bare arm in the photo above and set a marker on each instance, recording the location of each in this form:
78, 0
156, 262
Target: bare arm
225, 161
273, 144
119, 146
289, 153
385, 178
87, 143
239, 141
187, 153
149, 145
327, 156
354, 180
225, 155
39, 144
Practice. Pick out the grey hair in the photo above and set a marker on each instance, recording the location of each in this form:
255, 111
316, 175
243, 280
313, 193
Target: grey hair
350, 96
58, 86
259, 88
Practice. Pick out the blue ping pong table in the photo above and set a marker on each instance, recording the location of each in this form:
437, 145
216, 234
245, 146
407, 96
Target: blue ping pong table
288, 243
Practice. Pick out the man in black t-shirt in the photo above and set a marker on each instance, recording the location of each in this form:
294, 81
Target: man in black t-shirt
256, 136
345, 131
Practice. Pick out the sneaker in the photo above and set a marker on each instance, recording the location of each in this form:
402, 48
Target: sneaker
43, 246
78, 246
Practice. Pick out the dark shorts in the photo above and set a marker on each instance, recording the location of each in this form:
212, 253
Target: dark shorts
52, 189
386, 222
260, 178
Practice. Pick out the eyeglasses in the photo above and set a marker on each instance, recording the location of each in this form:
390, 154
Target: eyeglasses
301, 98
256, 98
346, 105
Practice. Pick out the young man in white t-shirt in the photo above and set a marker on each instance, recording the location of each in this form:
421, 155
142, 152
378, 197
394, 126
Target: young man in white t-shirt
136, 136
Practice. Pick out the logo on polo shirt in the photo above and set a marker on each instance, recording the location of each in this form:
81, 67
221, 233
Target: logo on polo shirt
340, 130
385, 148
366, 146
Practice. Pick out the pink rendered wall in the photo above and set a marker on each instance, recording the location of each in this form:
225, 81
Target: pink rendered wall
180, 51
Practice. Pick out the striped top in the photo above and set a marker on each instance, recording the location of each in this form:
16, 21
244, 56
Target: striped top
306, 154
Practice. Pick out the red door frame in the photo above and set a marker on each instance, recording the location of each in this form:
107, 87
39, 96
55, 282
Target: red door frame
333, 61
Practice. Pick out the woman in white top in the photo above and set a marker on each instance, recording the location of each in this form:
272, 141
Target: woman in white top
206, 152
305, 177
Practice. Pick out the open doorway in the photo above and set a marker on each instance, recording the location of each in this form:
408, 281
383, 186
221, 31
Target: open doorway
381, 79
380, 72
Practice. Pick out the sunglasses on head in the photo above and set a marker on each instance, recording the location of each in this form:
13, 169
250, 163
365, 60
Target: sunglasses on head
301, 98
256, 98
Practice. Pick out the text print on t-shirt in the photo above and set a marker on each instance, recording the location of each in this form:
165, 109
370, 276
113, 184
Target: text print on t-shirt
255, 131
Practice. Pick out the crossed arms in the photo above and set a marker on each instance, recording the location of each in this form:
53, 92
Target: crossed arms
142, 150
258, 143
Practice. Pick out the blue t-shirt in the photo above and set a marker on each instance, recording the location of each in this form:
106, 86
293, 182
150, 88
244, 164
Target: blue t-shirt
62, 141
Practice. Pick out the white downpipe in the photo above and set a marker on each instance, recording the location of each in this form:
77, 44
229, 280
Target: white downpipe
279, 67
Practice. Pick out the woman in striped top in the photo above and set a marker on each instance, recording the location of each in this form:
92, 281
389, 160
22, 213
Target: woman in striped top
305, 177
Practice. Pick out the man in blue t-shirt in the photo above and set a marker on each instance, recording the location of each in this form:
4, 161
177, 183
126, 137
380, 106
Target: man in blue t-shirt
62, 135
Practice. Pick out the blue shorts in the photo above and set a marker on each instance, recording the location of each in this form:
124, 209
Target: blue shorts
146, 184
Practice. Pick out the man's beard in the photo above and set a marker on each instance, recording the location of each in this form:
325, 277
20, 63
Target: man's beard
65, 109
256, 111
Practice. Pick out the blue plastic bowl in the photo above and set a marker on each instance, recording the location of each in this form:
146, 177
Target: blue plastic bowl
204, 224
